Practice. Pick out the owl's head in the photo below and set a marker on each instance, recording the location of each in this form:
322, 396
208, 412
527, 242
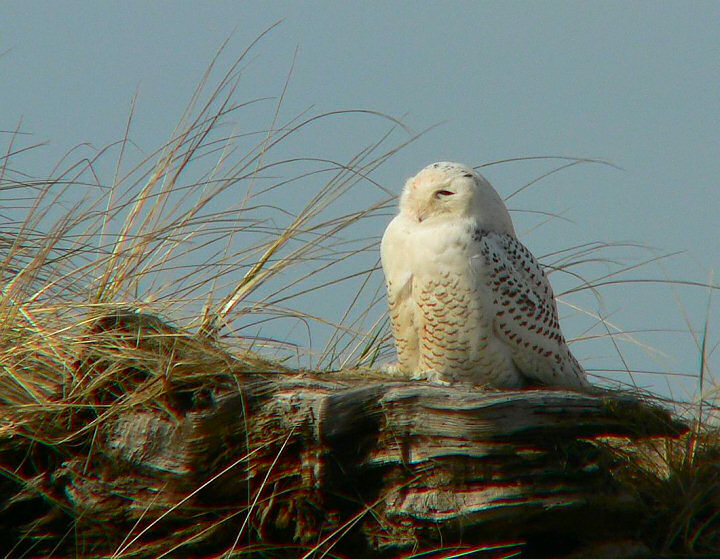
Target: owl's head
447, 190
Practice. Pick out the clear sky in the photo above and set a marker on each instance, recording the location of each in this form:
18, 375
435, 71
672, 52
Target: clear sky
636, 84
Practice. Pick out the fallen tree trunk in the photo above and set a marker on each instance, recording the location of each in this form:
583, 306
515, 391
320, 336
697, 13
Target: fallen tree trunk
345, 464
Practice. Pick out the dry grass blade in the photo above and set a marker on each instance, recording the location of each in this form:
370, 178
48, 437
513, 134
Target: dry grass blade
74, 276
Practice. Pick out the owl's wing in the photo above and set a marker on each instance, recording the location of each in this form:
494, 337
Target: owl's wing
395, 255
526, 317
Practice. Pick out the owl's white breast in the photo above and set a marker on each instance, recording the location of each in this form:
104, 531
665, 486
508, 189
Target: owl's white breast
455, 322
443, 246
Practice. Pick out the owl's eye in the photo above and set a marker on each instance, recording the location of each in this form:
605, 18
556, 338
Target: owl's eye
442, 193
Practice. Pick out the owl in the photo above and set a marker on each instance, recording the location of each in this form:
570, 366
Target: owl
468, 302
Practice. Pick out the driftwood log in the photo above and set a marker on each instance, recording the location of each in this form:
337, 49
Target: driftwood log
226, 455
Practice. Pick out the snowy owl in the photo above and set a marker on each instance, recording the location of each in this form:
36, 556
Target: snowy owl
468, 302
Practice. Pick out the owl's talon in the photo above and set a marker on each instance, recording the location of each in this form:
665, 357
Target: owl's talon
394, 370
431, 376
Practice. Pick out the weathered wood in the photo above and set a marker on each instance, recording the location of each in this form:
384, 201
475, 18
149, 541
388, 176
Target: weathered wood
420, 465
350, 463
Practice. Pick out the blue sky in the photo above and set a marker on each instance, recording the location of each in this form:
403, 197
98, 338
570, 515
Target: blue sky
632, 83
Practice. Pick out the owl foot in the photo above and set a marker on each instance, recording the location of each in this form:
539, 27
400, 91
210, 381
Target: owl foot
394, 370
431, 376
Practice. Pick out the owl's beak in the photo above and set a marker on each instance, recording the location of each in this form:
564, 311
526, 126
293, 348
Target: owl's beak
421, 212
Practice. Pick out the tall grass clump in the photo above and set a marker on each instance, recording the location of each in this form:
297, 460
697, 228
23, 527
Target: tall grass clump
220, 230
